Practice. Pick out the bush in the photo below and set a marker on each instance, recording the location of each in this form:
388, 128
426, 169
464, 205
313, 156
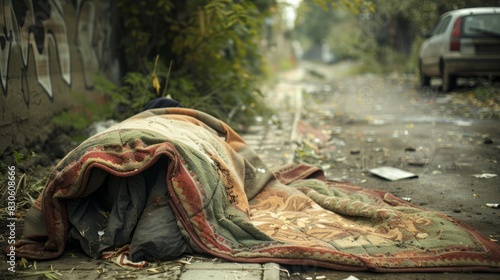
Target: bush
209, 56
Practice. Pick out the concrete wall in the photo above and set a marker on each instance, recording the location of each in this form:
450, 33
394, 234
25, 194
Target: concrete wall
49, 52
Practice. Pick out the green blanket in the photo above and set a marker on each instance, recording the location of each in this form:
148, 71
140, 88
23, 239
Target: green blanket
227, 203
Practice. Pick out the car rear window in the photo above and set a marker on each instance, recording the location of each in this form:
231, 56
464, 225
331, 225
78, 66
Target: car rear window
485, 25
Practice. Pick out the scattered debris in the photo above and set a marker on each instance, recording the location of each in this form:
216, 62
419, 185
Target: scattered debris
378, 122
336, 142
355, 152
100, 126
100, 233
493, 205
392, 173
351, 278
336, 130
485, 175
463, 123
443, 100
283, 270
406, 199
47, 274
340, 159
462, 164
415, 162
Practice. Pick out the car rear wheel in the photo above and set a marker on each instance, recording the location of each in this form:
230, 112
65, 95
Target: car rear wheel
425, 81
449, 81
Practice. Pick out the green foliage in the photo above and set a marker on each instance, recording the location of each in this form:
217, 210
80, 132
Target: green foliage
334, 22
401, 24
312, 20
211, 49
355, 6
28, 186
386, 33
129, 99
82, 116
486, 93
316, 17
19, 157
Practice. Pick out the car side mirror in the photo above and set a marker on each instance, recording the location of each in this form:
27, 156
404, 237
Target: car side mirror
426, 35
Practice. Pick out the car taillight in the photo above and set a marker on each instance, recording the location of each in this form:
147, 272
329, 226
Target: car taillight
455, 35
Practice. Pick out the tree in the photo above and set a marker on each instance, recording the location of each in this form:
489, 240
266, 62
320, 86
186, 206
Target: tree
314, 21
209, 55
319, 22
396, 26
389, 32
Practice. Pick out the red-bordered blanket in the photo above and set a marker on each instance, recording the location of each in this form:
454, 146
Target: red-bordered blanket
230, 205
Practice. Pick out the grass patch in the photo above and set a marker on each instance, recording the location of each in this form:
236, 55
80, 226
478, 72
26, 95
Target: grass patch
30, 179
486, 93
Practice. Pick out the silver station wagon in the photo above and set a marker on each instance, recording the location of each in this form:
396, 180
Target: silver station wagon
463, 43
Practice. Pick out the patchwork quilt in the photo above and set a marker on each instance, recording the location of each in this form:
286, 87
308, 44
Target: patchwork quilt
174, 180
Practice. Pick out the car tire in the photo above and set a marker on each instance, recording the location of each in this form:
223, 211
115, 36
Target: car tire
425, 81
449, 81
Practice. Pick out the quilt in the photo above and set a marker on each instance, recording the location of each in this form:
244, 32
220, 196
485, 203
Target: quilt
174, 180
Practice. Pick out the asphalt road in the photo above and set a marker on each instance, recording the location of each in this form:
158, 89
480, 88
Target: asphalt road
450, 142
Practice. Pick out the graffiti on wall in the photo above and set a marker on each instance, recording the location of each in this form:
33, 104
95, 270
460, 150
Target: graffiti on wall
35, 25
93, 38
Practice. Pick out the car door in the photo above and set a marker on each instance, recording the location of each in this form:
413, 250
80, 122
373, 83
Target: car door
433, 47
